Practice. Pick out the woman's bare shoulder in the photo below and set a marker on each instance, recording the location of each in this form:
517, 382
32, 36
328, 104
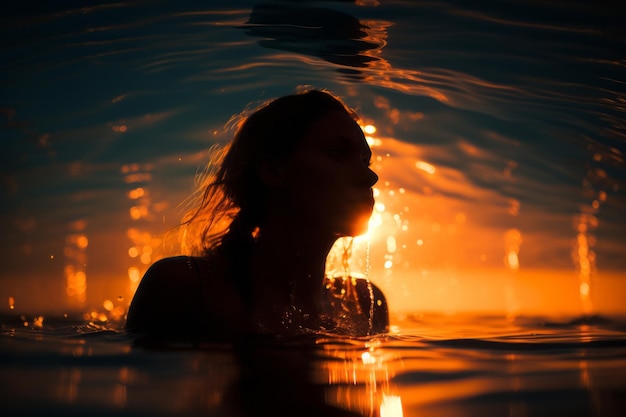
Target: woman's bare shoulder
168, 290
370, 294
371, 299
178, 265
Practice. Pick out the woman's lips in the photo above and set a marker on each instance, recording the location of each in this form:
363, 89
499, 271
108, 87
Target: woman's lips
365, 202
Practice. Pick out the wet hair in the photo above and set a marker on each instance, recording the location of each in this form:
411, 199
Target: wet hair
228, 205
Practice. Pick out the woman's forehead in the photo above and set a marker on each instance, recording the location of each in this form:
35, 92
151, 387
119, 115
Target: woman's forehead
335, 125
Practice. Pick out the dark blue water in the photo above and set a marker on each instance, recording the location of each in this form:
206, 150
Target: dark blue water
498, 238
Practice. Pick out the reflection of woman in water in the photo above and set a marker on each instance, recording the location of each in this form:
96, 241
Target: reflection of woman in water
295, 178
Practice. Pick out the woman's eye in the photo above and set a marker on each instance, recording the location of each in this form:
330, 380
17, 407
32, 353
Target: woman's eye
339, 152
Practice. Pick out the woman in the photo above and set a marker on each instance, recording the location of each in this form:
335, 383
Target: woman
295, 178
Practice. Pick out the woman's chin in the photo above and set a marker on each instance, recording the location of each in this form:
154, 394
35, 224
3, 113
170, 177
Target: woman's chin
355, 229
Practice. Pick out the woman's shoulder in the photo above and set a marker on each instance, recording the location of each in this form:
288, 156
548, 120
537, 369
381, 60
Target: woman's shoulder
169, 288
372, 295
366, 287
176, 264
371, 298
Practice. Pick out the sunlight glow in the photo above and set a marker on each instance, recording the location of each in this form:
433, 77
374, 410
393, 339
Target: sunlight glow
108, 305
512, 242
584, 289
38, 322
391, 406
76, 243
134, 274
369, 129
136, 193
584, 256
425, 166
512, 261
368, 358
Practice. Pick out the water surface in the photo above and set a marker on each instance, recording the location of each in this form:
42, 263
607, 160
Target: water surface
498, 135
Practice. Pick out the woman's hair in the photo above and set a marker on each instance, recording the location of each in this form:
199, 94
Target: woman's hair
227, 207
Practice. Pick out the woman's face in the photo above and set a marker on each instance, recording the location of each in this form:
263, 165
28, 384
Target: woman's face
327, 180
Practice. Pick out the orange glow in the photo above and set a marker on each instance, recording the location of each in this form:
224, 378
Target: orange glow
362, 382
367, 358
141, 253
512, 261
37, 322
134, 274
584, 256
512, 242
138, 177
391, 406
76, 244
108, 305
138, 212
438, 240
82, 242
584, 289
369, 129
136, 193
425, 166
121, 128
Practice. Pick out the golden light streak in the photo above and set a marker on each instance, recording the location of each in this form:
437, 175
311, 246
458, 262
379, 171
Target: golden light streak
512, 243
142, 209
512, 261
425, 166
585, 259
76, 244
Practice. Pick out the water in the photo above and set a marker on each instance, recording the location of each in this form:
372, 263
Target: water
434, 366
498, 134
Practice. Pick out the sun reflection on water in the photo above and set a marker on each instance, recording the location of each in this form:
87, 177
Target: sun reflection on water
361, 381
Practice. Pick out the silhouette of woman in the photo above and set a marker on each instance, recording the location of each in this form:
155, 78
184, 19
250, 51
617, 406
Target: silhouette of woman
294, 179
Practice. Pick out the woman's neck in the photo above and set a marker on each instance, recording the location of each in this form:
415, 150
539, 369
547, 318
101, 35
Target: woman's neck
287, 266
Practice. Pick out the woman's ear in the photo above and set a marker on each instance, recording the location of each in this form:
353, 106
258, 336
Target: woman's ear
271, 171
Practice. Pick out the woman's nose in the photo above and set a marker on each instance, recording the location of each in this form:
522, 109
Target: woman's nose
372, 177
